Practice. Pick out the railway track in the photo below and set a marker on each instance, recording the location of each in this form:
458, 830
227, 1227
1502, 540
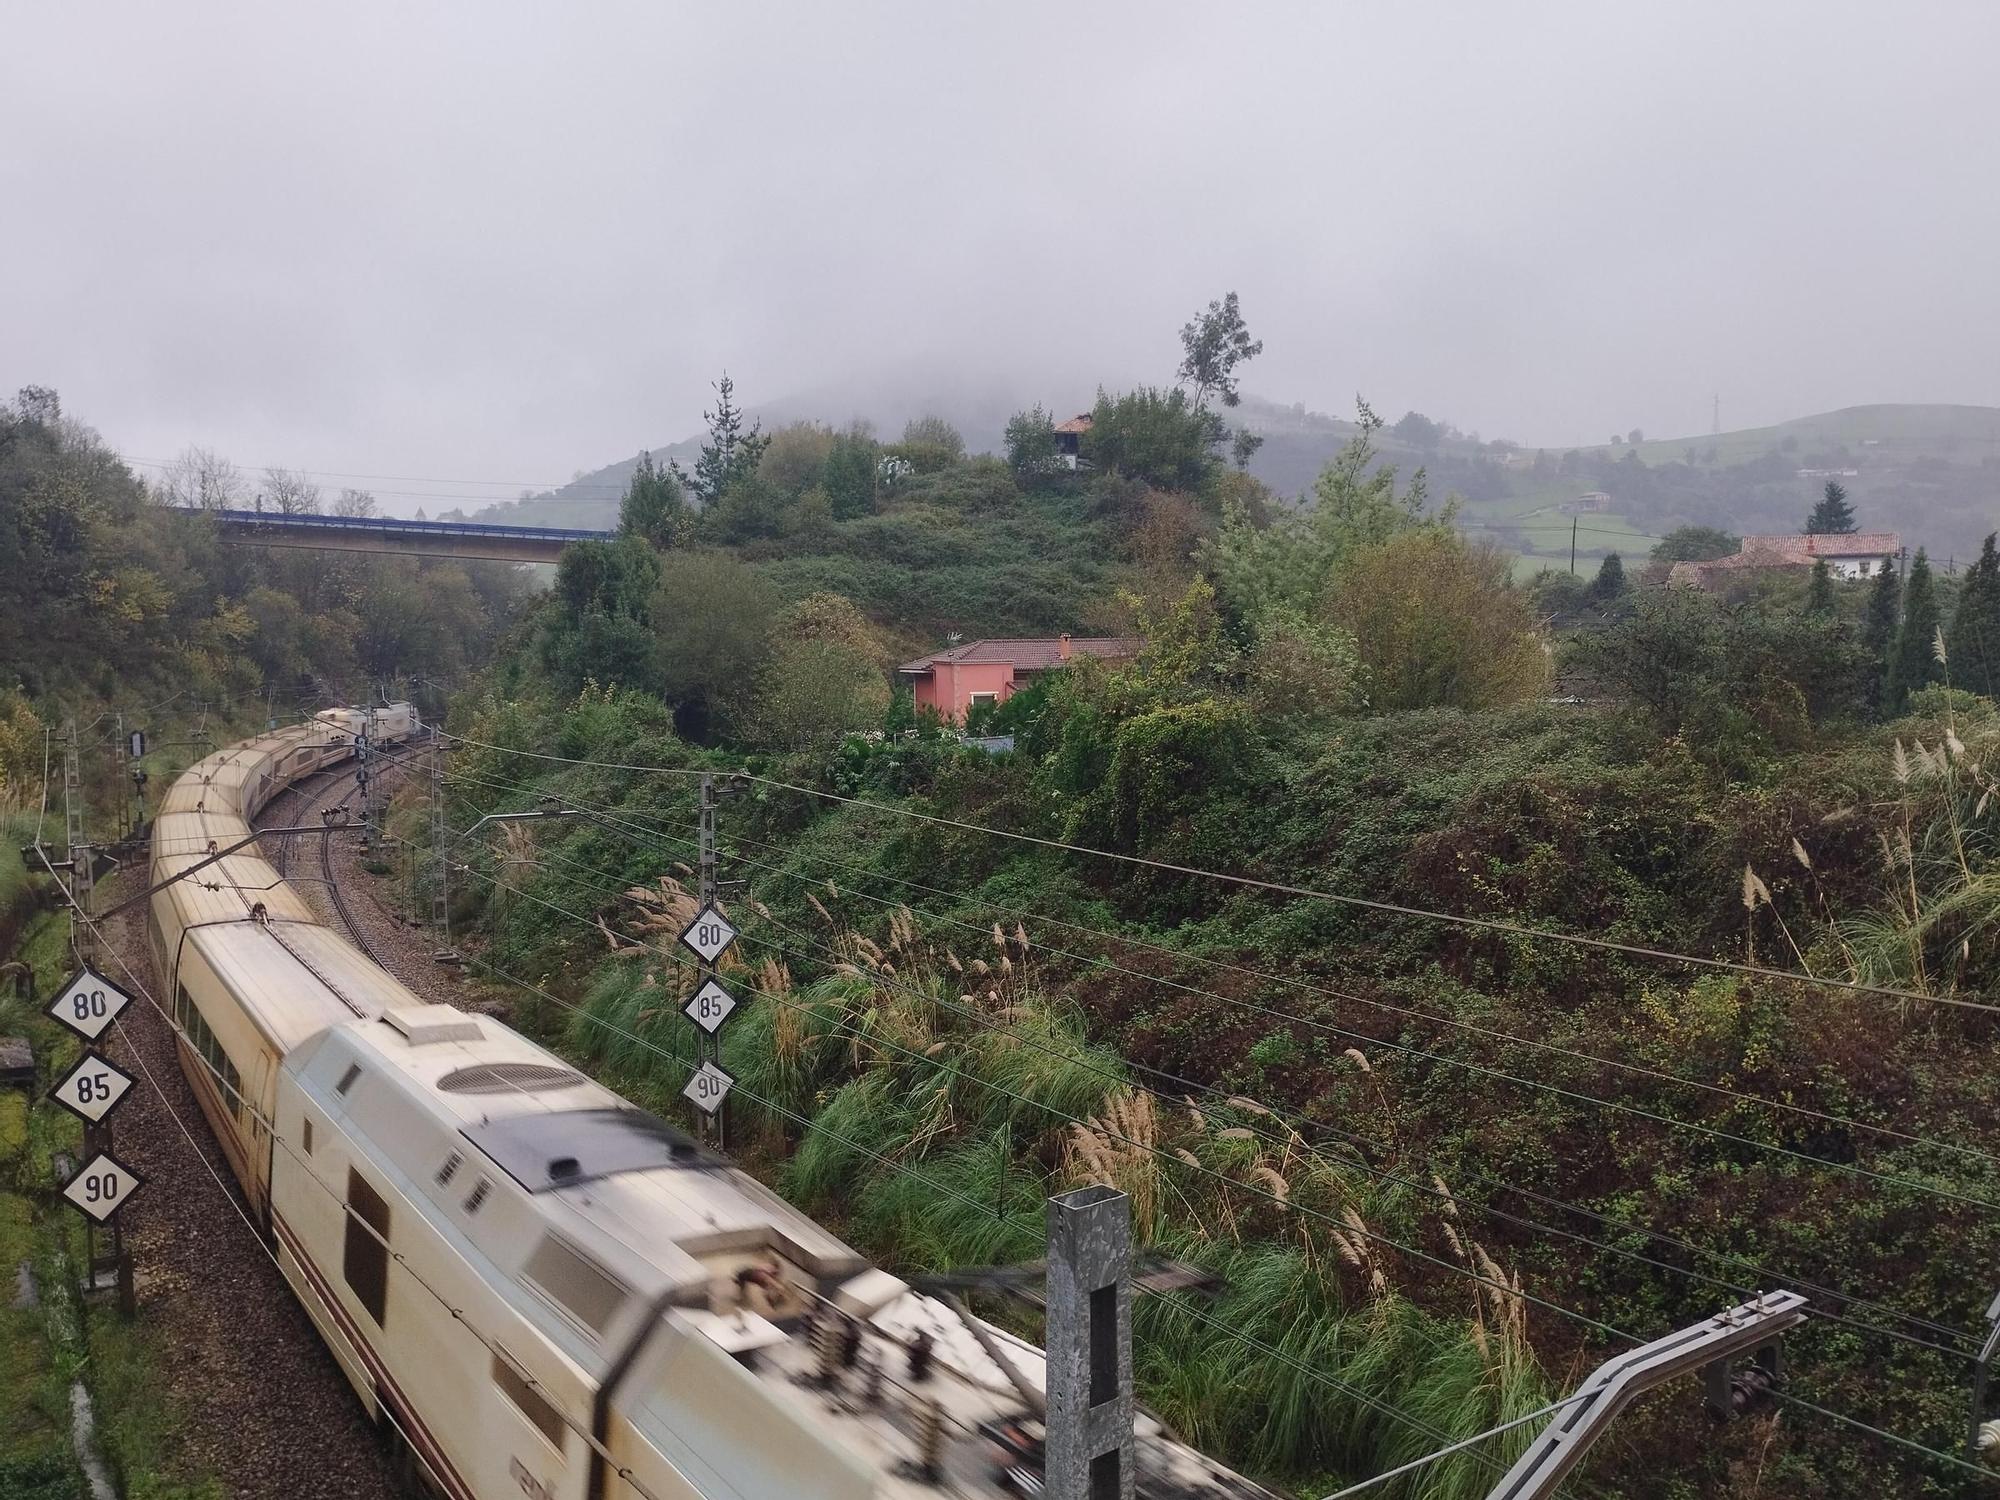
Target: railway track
322, 792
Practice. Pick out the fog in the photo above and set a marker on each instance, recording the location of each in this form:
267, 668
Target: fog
496, 244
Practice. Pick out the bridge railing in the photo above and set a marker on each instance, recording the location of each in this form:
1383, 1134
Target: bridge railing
398, 525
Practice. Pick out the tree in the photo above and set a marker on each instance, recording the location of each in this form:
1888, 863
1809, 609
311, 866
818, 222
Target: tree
1696, 544
1032, 452
1243, 446
1832, 516
796, 456
290, 493
1635, 437
729, 454
653, 506
1418, 430
357, 503
1213, 344
1878, 627
1819, 593
1159, 437
1975, 627
849, 474
823, 676
202, 479
600, 615
1283, 566
712, 620
931, 444
1437, 623
1610, 580
1913, 663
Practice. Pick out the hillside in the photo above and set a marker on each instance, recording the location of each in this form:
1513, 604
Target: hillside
1930, 472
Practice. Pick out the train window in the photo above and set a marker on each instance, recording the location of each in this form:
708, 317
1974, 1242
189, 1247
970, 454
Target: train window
347, 1079
532, 1403
365, 1257
306, 1137
575, 1283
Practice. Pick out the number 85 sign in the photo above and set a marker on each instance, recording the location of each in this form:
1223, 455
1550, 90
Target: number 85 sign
87, 1004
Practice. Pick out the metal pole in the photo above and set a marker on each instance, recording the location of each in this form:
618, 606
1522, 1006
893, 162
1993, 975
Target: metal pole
708, 1045
441, 891
1089, 1372
1572, 546
80, 873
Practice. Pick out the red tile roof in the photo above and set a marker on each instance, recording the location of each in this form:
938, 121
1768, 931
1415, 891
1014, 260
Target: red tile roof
1034, 655
1789, 552
1079, 423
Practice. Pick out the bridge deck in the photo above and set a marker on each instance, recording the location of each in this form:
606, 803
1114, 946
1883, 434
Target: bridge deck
468, 539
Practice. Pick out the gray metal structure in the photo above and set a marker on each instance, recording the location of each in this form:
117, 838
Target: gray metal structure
1747, 1333
1089, 1382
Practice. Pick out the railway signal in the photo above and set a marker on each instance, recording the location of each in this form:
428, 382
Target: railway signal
87, 1004
709, 1006
93, 1088
102, 1187
709, 1086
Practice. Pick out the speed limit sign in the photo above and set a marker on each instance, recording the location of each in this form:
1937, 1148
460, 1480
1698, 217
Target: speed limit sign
709, 934
709, 1006
104, 1186
93, 1088
708, 1088
87, 1004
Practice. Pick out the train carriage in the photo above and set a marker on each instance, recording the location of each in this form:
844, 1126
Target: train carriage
539, 1290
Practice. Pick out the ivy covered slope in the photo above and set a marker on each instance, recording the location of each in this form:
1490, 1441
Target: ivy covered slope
1445, 1165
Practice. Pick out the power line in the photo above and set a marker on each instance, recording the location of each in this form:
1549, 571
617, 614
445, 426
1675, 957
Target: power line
1637, 1111
1427, 1189
1251, 882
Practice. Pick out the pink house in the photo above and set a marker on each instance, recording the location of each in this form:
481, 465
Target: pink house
959, 679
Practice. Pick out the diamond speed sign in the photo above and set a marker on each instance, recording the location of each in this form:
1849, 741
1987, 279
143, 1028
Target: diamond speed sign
709, 1006
87, 1004
709, 934
104, 1186
92, 1089
708, 1088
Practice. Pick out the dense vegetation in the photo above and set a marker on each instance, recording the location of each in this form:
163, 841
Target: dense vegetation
1446, 1167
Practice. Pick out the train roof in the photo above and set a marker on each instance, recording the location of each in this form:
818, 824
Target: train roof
596, 1216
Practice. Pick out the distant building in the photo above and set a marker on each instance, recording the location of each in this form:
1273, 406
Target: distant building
955, 681
1069, 438
1860, 554
1829, 473
1593, 502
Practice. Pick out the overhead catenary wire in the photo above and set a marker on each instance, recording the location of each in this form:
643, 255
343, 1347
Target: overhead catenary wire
457, 1313
1330, 1381
1636, 1111
1282, 888
1430, 1190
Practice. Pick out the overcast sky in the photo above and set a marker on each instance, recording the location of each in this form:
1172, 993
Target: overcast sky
503, 242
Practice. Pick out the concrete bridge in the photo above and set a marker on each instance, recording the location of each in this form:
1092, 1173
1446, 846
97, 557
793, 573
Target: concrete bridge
466, 539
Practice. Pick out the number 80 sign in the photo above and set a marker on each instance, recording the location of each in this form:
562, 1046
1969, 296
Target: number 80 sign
87, 1004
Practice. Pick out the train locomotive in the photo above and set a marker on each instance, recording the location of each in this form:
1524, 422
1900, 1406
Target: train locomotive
535, 1288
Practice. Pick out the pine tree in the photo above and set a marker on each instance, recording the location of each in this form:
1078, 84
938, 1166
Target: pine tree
1610, 580
654, 507
729, 454
1975, 628
1833, 516
1819, 596
1914, 664
1878, 626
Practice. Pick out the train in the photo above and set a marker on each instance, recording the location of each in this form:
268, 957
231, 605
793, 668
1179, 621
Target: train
536, 1289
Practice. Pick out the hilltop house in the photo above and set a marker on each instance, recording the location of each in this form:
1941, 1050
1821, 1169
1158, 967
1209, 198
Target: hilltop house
955, 681
1069, 438
1860, 554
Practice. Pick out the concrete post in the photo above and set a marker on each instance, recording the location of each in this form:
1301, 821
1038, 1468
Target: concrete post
1089, 1454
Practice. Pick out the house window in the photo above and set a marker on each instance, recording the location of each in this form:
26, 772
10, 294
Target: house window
365, 1256
973, 700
